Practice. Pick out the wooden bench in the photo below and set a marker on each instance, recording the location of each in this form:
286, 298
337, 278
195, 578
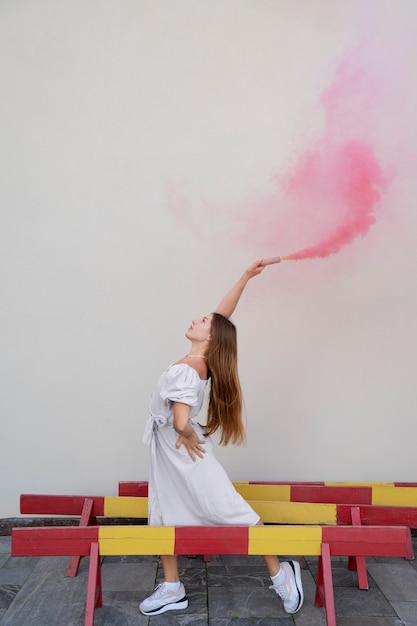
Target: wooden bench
271, 512
324, 542
379, 503
378, 494
388, 494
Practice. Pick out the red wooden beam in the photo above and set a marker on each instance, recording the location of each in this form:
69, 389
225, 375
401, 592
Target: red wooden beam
48, 504
366, 540
58, 541
94, 588
379, 515
405, 484
133, 489
324, 587
358, 563
331, 495
87, 519
216, 540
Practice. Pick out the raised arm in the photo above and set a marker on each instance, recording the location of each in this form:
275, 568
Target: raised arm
230, 300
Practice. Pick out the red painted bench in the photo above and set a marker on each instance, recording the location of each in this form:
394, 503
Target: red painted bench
284, 540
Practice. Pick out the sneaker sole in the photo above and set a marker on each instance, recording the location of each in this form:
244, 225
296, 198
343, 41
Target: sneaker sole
295, 566
171, 606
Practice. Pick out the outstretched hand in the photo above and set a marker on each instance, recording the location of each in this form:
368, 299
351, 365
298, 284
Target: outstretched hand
230, 300
254, 269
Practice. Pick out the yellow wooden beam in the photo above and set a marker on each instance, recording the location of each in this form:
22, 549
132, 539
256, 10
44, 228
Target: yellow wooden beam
125, 540
264, 492
288, 540
270, 511
395, 496
295, 512
125, 507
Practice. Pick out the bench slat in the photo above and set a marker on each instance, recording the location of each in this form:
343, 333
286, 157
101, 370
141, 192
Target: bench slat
344, 540
62, 541
366, 540
271, 511
50, 504
140, 488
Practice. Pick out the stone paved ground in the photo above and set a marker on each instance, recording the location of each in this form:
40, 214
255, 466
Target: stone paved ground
227, 591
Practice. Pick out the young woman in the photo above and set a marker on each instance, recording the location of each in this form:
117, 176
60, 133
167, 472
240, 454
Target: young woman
187, 485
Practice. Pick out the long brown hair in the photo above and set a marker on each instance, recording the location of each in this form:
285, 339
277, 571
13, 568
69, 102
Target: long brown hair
225, 398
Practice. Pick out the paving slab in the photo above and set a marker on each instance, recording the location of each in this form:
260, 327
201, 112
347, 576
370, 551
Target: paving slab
362, 603
181, 619
118, 614
398, 581
407, 612
128, 576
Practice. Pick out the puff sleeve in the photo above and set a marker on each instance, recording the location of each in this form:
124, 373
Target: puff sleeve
181, 385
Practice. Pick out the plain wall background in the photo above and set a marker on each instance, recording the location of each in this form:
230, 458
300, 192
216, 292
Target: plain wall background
102, 103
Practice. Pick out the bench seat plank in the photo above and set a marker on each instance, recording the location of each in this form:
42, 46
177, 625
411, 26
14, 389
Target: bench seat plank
271, 511
50, 504
393, 494
140, 488
124, 540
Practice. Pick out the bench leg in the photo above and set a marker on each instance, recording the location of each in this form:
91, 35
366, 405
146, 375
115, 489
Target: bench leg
94, 591
324, 587
86, 520
410, 549
358, 563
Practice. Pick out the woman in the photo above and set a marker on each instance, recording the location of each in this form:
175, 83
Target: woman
187, 485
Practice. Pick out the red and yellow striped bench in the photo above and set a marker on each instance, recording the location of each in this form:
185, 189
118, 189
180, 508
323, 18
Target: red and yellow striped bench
323, 542
271, 512
383, 494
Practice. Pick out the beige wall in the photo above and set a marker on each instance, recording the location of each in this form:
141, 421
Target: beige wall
101, 103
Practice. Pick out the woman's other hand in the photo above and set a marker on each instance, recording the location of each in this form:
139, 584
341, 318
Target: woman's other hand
193, 444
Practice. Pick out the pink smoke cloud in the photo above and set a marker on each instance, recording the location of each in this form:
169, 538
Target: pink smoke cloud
333, 188
348, 180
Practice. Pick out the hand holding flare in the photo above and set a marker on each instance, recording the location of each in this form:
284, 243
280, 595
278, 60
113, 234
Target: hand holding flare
273, 259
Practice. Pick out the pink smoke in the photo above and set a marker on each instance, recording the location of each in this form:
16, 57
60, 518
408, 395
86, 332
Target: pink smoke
348, 180
341, 175
330, 194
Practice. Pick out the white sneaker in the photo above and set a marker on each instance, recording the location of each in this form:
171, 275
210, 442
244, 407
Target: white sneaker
163, 600
291, 590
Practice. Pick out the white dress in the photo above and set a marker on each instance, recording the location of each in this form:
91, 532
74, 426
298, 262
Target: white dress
183, 492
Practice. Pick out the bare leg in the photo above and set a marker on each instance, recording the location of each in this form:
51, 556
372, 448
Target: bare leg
272, 561
170, 565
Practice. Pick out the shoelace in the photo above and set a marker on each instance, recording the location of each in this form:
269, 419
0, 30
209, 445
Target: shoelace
282, 591
158, 590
